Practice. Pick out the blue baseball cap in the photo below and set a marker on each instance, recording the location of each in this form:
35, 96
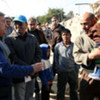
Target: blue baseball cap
20, 18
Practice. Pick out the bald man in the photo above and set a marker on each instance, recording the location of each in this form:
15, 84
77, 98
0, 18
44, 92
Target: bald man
89, 88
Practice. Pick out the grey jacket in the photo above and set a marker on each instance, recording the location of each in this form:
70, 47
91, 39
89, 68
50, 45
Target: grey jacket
64, 60
82, 46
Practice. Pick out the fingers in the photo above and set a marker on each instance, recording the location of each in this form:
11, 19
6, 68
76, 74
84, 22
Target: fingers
96, 39
38, 67
91, 81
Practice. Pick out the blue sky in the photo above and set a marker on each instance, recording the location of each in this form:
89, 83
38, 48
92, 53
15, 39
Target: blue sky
40, 7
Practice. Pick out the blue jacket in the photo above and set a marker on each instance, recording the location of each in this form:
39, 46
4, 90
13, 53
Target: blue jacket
7, 71
46, 75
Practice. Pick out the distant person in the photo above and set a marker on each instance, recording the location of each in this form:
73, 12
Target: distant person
56, 35
7, 71
56, 38
25, 50
54, 19
66, 67
39, 26
9, 27
48, 32
33, 30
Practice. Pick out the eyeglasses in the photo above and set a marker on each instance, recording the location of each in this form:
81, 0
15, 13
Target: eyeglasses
18, 23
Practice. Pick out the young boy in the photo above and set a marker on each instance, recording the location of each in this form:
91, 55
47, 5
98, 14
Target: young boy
65, 66
46, 75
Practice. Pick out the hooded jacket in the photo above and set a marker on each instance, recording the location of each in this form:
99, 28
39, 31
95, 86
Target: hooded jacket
46, 75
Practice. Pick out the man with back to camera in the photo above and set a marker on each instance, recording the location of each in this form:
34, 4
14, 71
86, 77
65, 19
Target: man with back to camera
7, 71
89, 88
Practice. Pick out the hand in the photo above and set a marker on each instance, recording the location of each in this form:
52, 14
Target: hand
37, 67
96, 39
84, 75
95, 54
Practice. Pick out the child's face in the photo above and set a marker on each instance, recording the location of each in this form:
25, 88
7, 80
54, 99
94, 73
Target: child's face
66, 37
48, 52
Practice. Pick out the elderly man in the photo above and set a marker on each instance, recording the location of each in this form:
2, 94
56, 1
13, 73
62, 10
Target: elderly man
7, 71
25, 50
89, 88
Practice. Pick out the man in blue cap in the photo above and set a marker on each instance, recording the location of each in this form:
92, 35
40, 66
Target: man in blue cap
7, 71
25, 50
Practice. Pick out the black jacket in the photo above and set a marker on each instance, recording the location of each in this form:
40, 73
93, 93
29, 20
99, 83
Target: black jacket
25, 49
39, 35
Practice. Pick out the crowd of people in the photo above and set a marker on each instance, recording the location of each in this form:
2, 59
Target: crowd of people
25, 49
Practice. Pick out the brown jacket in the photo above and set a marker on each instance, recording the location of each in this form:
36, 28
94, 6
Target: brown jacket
56, 38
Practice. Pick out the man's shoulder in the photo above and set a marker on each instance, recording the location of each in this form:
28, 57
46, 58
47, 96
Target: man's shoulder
80, 37
13, 34
61, 26
30, 35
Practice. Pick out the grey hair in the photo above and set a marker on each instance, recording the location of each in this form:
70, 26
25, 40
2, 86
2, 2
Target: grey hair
2, 14
32, 19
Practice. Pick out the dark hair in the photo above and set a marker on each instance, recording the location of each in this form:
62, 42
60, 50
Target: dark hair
2, 14
38, 23
8, 18
66, 31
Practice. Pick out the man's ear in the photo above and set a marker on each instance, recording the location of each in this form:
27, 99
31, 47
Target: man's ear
26, 26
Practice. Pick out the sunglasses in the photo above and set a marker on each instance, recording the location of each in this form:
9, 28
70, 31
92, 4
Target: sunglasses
18, 23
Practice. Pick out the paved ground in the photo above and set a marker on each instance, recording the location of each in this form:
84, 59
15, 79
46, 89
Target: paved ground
54, 88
